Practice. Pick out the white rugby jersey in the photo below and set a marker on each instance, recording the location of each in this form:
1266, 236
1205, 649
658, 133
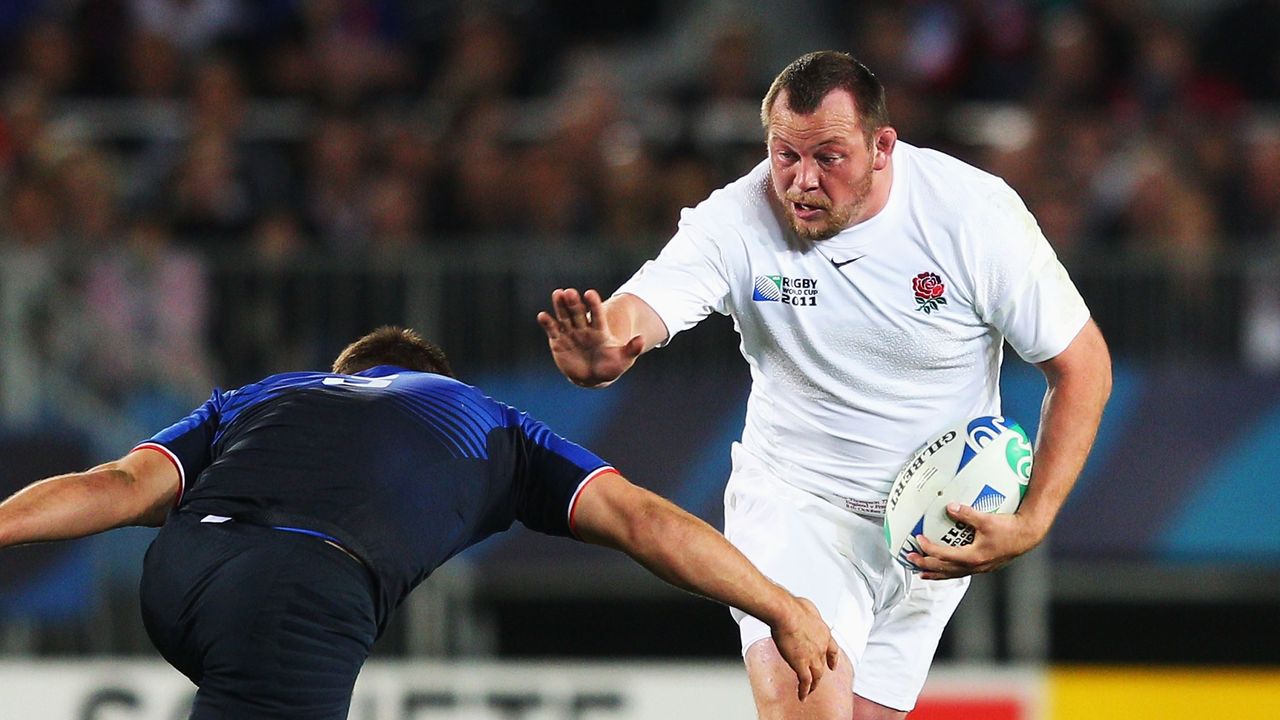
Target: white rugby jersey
864, 345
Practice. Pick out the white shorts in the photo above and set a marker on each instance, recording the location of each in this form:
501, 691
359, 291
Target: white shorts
887, 621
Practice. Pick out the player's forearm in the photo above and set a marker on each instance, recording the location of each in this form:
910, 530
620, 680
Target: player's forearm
691, 555
70, 506
679, 548
1069, 422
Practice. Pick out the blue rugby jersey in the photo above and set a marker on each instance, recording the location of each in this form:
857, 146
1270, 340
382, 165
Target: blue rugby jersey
404, 469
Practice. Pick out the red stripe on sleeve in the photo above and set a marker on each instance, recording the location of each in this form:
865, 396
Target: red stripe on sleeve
573, 503
177, 464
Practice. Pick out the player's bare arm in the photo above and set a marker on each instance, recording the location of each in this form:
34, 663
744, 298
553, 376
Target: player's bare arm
594, 342
690, 554
137, 489
1079, 382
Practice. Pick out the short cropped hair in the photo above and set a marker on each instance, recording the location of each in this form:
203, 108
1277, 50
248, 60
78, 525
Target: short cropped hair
391, 345
812, 77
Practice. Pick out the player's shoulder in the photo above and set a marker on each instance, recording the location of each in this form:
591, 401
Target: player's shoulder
232, 402
442, 388
739, 204
736, 220
380, 377
950, 177
960, 185
962, 196
275, 383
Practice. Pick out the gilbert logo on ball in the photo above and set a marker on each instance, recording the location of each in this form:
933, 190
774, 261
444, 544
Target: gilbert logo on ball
984, 463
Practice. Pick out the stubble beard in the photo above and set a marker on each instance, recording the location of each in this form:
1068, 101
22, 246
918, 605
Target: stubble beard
837, 218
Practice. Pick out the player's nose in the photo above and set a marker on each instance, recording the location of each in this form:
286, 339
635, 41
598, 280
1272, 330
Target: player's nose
806, 176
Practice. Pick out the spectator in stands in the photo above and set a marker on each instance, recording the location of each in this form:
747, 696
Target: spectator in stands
629, 198
475, 172
276, 240
396, 222
49, 57
686, 180
24, 127
31, 218
217, 97
1169, 221
1239, 42
144, 315
152, 67
1260, 216
408, 147
192, 26
335, 184
263, 326
210, 202
482, 61
443, 107
720, 103
1072, 70
86, 182
554, 204
1168, 87
356, 50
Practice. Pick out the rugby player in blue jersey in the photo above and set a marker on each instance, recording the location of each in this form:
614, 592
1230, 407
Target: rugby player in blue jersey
299, 511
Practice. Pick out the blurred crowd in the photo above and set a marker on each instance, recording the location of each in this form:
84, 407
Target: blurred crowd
160, 138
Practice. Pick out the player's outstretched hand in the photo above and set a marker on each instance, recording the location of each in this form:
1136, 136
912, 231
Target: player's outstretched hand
805, 642
997, 540
583, 344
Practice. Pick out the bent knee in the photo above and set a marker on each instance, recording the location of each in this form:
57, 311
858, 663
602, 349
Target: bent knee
773, 685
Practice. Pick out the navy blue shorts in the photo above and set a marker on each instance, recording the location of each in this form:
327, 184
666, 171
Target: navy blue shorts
268, 624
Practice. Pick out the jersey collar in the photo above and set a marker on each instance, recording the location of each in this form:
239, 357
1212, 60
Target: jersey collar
380, 371
858, 237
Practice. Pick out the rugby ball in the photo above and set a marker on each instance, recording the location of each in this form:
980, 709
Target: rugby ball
984, 463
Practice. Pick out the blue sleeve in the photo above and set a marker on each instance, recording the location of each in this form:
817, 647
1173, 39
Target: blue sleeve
189, 442
554, 472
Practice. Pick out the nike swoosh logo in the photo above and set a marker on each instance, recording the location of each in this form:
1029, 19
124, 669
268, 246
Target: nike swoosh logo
841, 264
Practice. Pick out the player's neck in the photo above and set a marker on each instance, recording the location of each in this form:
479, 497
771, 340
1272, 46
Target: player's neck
881, 185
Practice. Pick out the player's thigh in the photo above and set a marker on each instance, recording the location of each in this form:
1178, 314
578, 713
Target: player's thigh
178, 576
903, 641
278, 629
804, 544
773, 687
293, 647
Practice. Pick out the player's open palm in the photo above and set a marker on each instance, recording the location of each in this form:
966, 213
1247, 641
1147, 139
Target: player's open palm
585, 348
804, 641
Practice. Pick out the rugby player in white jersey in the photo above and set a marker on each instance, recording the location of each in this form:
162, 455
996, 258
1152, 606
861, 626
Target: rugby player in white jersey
873, 284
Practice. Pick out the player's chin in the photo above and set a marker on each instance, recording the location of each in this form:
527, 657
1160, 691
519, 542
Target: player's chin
812, 229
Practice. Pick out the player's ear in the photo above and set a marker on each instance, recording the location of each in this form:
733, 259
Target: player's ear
883, 142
